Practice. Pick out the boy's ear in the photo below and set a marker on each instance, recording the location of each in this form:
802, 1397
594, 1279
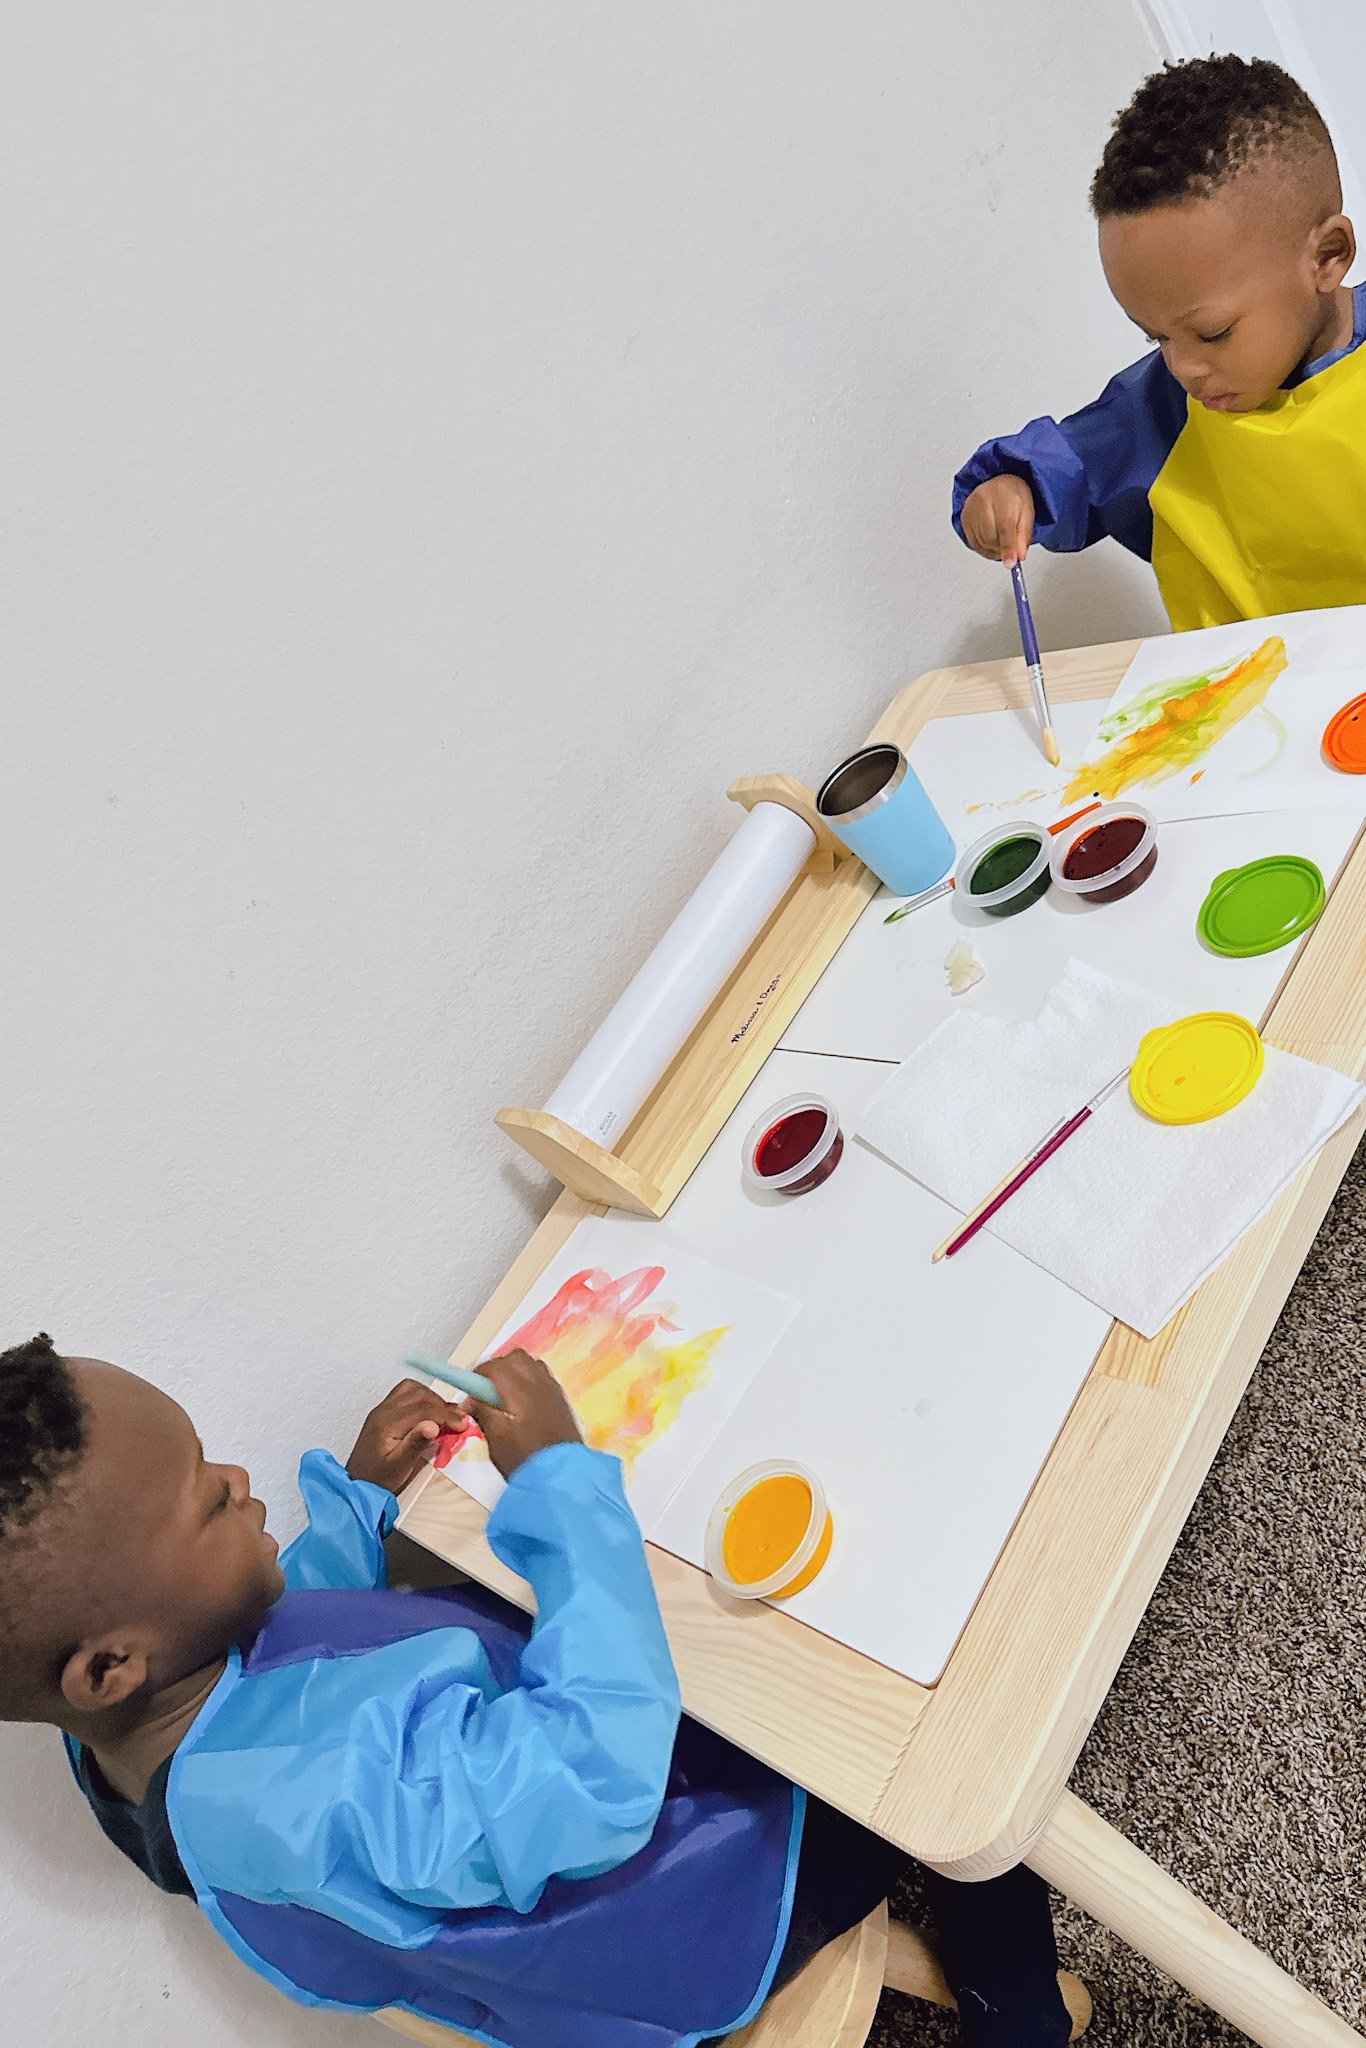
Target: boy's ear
1332, 251
103, 1673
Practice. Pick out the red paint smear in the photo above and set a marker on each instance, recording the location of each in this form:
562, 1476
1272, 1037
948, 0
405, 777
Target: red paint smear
592, 1299
453, 1439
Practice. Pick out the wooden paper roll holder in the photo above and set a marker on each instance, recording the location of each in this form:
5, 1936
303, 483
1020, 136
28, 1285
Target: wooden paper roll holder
669, 1134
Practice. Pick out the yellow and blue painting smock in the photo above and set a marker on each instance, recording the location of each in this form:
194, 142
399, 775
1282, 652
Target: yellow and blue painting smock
422, 1801
1242, 514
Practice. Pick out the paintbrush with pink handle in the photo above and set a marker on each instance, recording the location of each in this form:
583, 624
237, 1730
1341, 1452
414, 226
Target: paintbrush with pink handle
978, 1218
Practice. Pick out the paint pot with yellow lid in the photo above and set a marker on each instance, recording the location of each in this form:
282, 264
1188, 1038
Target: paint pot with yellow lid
1197, 1068
770, 1533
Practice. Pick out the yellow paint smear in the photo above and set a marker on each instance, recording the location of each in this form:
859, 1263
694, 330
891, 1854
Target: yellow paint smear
1184, 728
619, 1357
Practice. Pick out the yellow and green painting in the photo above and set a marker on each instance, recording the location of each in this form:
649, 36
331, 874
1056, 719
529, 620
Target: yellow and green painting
1170, 727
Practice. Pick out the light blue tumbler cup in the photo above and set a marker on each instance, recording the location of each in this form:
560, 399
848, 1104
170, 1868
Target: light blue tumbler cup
876, 803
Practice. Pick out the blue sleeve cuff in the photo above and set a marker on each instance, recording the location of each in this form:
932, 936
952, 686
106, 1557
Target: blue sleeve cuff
1092, 471
1044, 457
564, 1502
348, 1520
548, 1470
564, 1525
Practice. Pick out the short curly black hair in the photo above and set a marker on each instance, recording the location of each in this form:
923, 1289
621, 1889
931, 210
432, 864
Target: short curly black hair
1193, 126
42, 1429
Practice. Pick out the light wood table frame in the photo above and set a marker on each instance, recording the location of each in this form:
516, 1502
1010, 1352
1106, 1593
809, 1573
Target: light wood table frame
970, 1775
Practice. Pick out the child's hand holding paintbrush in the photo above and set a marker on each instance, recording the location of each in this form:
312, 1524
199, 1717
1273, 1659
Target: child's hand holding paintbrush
516, 1400
998, 521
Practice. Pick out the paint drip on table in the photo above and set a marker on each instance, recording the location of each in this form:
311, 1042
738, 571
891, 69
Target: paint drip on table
619, 1357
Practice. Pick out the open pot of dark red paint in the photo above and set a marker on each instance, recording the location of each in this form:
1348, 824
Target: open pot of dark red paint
1107, 854
794, 1146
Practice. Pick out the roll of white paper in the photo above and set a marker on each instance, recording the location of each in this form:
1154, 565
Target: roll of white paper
634, 1044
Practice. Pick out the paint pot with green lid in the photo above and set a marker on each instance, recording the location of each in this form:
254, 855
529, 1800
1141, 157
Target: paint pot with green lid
1262, 906
1005, 870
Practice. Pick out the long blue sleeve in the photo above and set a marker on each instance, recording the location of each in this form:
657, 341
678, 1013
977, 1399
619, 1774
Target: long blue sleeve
1091, 472
348, 1520
379, 1787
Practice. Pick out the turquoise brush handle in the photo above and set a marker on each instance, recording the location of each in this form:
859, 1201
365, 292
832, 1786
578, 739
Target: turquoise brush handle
472, 1383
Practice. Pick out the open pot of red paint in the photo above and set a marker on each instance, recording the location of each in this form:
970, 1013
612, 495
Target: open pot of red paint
1107, 854
794, 1146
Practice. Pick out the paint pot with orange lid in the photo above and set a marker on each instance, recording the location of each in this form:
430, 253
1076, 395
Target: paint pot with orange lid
1344, 739
770, 1532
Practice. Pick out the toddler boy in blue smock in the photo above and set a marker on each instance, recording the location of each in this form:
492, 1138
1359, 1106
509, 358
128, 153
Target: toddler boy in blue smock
393, 1799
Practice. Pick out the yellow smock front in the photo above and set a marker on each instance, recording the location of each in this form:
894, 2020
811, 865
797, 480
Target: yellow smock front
1263, 512
1241, 514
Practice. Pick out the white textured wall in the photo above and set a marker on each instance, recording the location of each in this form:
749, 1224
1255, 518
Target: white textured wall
442, 445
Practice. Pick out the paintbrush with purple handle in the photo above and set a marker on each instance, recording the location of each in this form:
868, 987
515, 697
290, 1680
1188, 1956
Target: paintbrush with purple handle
1033, 662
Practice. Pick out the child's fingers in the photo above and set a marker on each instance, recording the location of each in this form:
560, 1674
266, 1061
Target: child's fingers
490, 1419
998, 519
980, 527
418, 1444
405, 1391
409, 1440
997, 538
411, 1399
1018, 520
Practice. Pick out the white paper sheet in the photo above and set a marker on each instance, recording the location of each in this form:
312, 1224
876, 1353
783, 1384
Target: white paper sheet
925, 1399
654, 1347
1271, 759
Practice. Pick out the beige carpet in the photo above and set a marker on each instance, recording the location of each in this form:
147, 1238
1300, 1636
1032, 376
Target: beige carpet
1231, 1748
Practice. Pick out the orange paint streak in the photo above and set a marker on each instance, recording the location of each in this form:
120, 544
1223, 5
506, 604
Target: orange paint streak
1072, 817
1184, 727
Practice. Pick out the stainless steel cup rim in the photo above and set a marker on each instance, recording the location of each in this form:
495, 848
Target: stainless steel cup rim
864, 781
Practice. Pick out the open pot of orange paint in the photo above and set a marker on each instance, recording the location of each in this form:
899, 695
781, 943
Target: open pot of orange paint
770, 1533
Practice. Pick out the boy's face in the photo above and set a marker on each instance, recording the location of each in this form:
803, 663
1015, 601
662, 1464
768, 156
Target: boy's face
162, 1557
1234, 293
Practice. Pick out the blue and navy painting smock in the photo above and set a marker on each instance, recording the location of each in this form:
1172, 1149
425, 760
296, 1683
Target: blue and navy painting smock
1242, 514
412, 1800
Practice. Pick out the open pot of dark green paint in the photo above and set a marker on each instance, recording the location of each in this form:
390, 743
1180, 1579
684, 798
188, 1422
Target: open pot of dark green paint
1005, 870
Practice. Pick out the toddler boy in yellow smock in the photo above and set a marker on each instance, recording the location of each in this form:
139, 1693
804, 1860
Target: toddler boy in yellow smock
1233, 457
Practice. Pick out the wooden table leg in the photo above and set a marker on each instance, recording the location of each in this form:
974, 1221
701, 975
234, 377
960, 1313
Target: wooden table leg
1085, 1858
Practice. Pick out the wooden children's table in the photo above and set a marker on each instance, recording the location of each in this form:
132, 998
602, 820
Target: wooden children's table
970, 1775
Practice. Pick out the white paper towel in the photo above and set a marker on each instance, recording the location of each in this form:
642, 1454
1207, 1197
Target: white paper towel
1133, 1214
